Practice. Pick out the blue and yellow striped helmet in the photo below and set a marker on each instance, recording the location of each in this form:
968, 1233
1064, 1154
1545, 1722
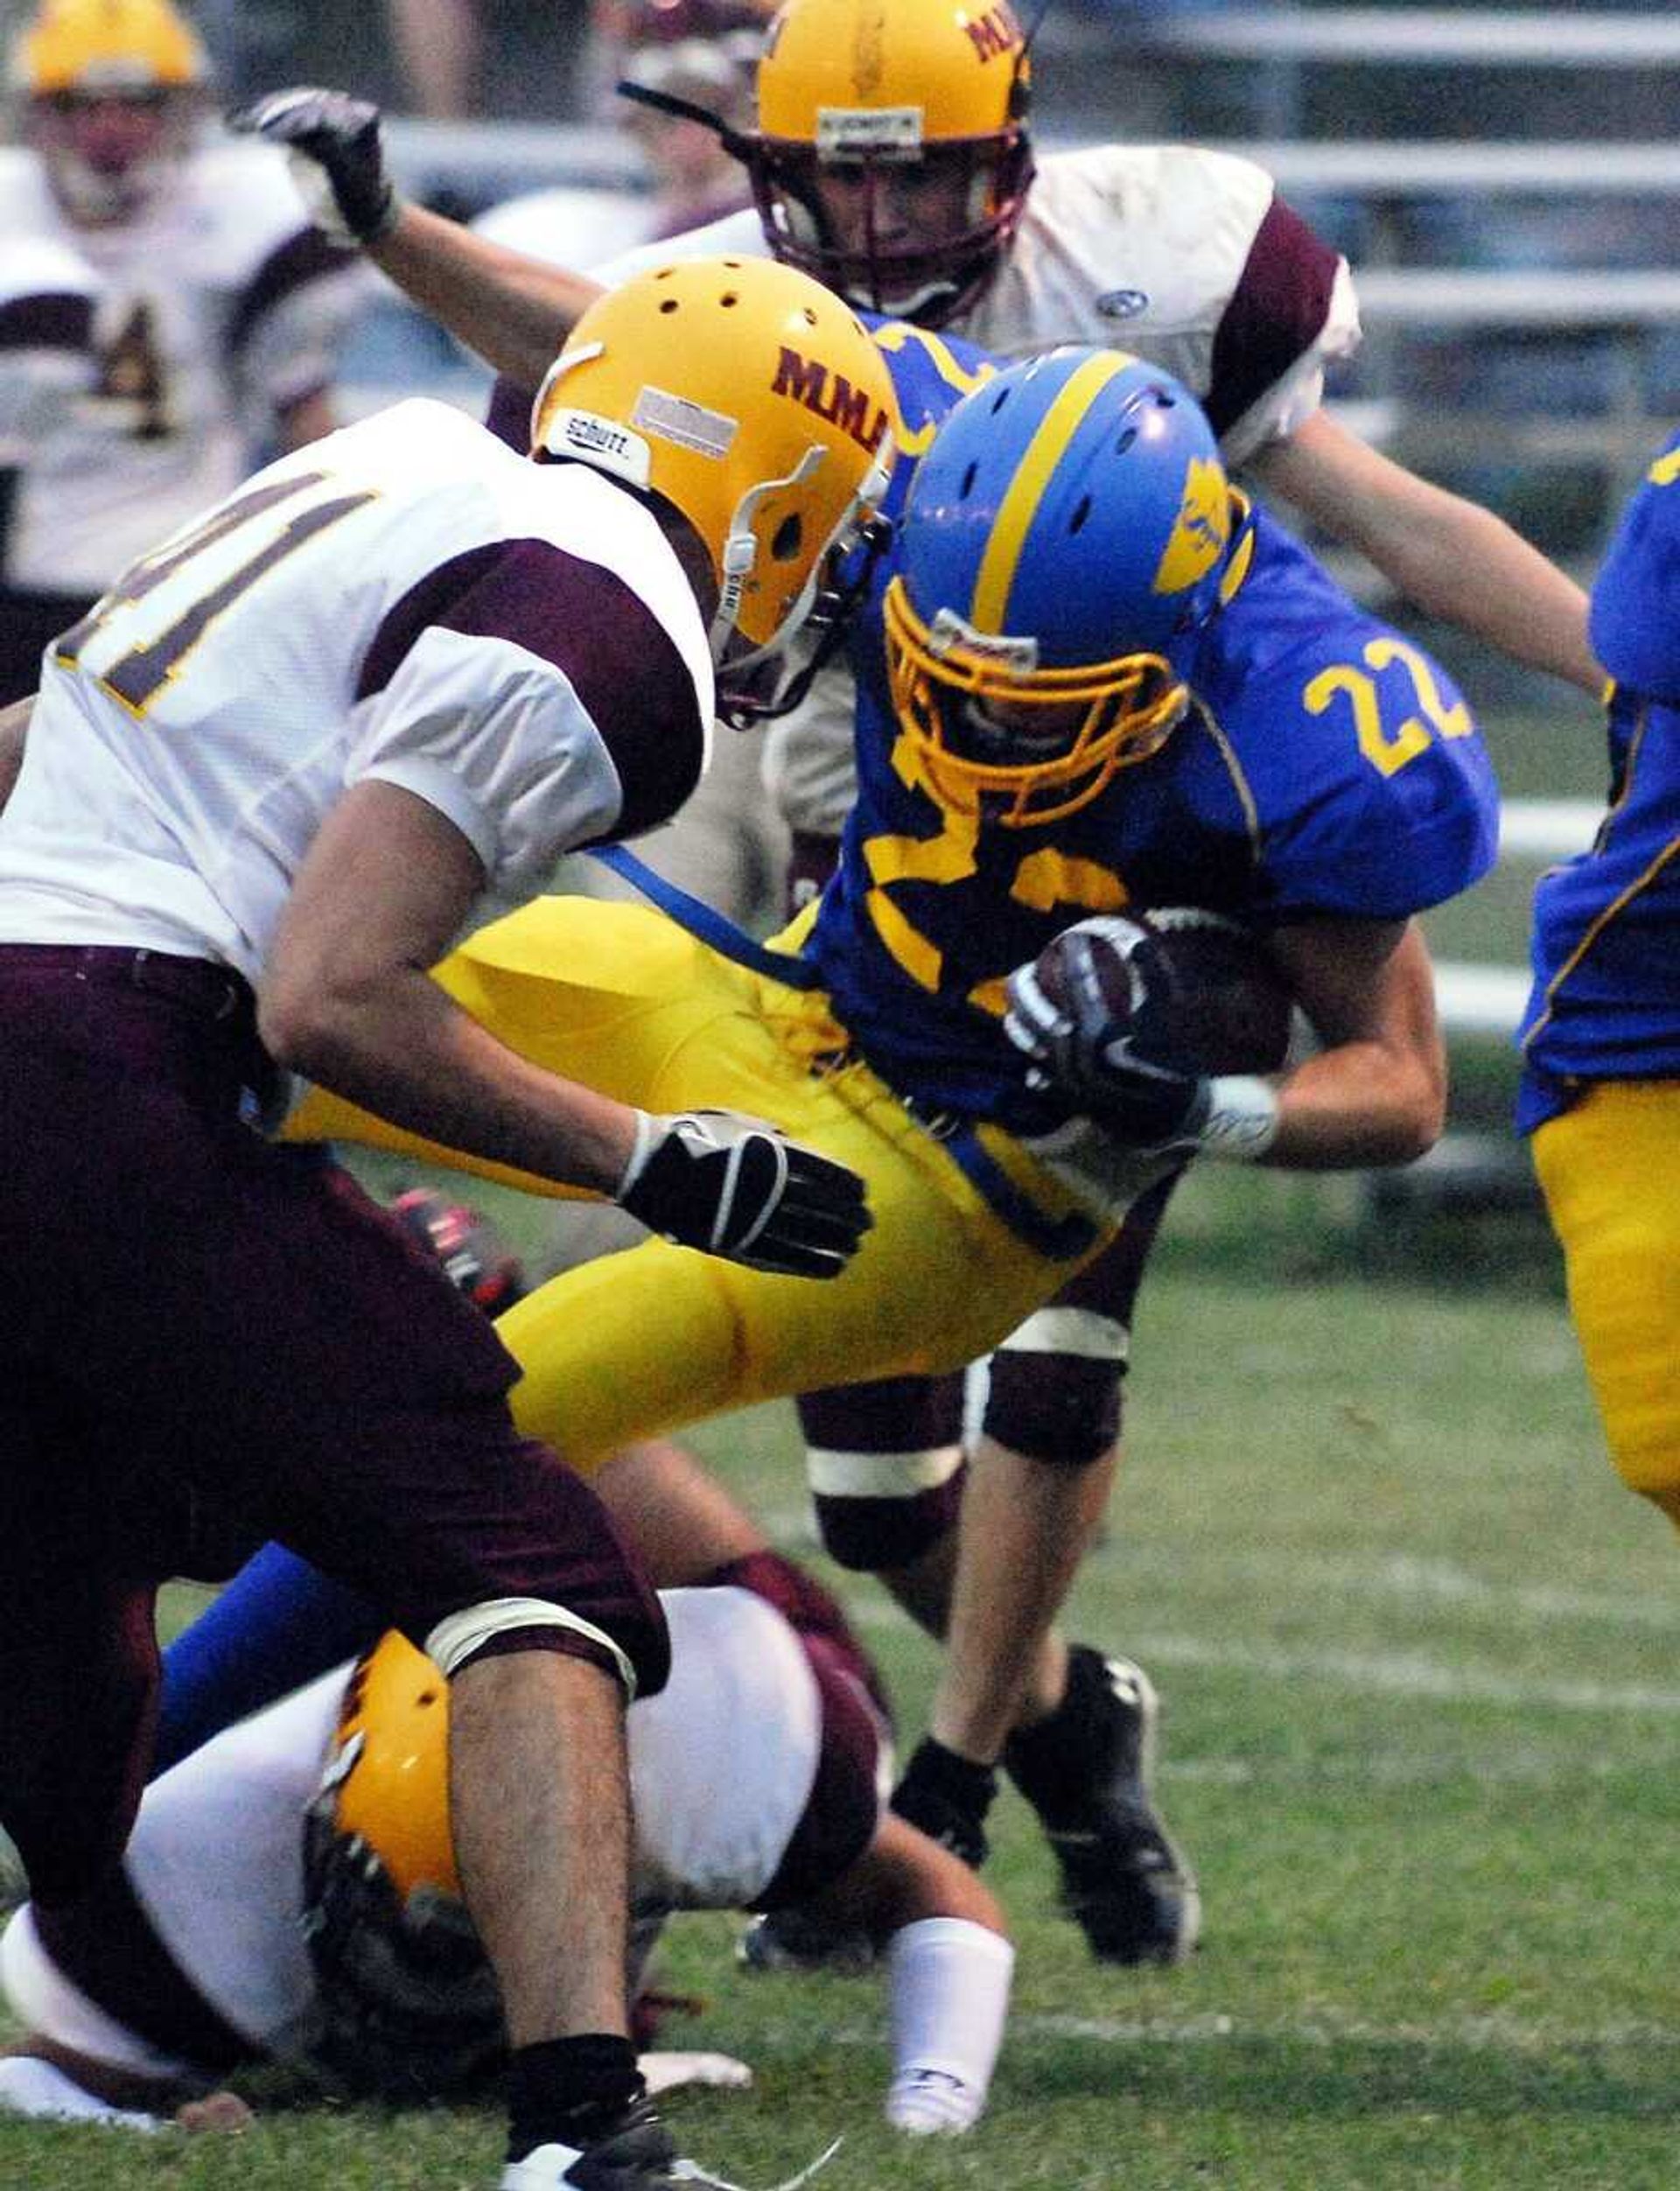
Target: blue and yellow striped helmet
1061, 545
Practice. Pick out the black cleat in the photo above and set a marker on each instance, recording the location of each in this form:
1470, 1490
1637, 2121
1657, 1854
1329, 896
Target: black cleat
638, 2155
1086, 1771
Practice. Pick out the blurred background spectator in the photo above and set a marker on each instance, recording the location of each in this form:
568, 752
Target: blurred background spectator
168, 318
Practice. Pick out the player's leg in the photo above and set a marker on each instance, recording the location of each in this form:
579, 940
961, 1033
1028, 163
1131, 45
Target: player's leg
1610, 1169
1083, 1723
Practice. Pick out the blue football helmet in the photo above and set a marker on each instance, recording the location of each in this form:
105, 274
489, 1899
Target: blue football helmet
1062, 544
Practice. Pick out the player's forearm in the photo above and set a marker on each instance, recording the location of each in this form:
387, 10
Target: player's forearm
515, 311
1471, 569
1359, 1105
393, 1042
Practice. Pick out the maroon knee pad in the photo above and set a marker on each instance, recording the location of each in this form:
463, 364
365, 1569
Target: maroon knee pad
868, 1530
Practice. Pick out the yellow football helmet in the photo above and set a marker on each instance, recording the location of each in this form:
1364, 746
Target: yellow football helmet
854, 92
113, 87
752, 399
388, 1772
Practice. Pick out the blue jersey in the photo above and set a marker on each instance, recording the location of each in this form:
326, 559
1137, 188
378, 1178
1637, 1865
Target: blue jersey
1605, 1000
1327, 766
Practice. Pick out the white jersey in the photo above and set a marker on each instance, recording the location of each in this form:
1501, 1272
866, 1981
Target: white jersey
722, 1762
1186, 257
142, 365
1183, 256
405, 600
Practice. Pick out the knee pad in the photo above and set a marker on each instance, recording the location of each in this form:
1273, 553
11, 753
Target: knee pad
1055, 1387
885, 1462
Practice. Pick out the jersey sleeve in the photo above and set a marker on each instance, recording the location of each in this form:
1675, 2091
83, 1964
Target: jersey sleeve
46, 339
1635, 611
1292, 313
535, 701
292, 294
1375, 797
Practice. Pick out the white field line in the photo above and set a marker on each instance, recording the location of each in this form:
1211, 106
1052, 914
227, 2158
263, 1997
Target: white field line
1404, 1674
1513, 1768
1433, 1582
1390, 1674
1491, 2034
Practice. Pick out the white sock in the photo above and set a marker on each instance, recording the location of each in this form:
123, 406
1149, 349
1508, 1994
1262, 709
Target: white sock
29, 2086
950, 1995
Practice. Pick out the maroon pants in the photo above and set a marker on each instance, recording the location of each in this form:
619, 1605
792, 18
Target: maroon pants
207, 1342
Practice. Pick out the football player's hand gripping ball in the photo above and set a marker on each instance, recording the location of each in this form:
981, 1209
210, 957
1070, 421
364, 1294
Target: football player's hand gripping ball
1074, 1011
735, 1187
333, 145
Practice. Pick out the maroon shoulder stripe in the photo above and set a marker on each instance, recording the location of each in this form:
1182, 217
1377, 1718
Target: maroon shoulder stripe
1275, 315
620, 661
55, 321
290, 266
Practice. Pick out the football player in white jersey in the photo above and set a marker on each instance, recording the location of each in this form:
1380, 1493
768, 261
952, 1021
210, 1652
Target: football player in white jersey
891, 158
289, 1890
164, 317
267, 780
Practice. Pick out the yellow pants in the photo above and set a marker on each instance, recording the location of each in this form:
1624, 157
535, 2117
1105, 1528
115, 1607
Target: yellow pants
1610, 1170
624, 1000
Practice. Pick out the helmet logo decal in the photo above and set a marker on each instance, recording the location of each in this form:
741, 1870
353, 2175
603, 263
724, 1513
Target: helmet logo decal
862, 133
1017, 657
807, 381
709, 433
1202, 531
994, 33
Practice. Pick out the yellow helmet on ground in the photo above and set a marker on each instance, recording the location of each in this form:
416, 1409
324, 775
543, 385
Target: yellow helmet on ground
754, 402
388, 1772
112, 90
855, 90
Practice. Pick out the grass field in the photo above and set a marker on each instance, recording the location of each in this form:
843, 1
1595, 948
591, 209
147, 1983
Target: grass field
1419, 1653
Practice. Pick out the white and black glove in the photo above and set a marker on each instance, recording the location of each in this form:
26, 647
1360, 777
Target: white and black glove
1084, 1045
735, 1187
333, 144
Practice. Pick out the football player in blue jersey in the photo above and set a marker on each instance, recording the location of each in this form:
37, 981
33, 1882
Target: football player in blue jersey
1600, 1040
1098, 678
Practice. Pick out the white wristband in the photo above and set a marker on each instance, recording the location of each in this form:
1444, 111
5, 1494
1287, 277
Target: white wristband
1243, 1116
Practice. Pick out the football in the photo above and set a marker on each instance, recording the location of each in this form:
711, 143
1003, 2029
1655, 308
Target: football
1215, 1001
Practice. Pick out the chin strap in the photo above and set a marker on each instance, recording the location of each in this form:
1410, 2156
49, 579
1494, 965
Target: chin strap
737, 147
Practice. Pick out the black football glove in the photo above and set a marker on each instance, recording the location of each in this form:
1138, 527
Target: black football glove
333, 144
948, 1796
1081, 1051
407, 2007
738, 1188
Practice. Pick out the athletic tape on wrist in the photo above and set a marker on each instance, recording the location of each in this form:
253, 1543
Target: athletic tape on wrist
1243, 1116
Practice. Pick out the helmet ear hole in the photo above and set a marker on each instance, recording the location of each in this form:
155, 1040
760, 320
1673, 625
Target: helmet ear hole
789, 539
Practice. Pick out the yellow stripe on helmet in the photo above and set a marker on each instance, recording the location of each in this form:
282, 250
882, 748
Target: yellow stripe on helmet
1060, 423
